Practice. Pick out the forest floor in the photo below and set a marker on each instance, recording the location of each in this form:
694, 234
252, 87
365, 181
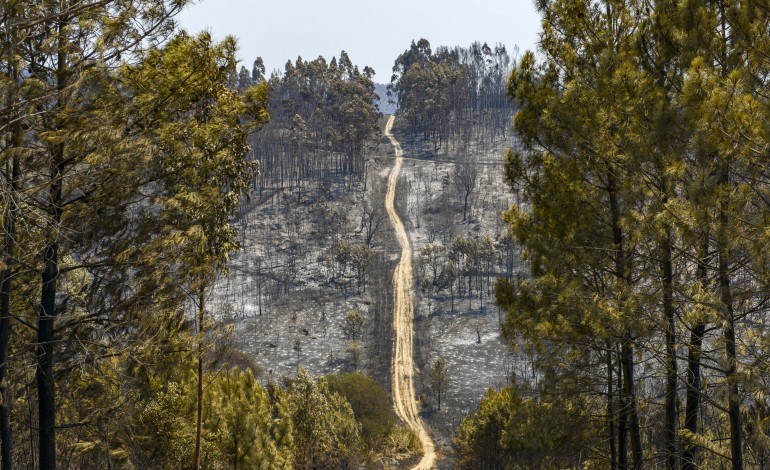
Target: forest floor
285, 296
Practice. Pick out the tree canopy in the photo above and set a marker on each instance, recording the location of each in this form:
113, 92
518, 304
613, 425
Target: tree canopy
642, 165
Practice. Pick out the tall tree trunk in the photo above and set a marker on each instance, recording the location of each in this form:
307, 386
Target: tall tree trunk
45, 324
670, 445
44, 371
9, 232
630, 392
723, 272
611, 412
627, 350
728, 313
9, 219
622, 420
692, 405
49, 278
199, 415
733, 400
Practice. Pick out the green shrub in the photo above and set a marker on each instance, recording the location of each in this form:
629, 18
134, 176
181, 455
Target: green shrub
370, 403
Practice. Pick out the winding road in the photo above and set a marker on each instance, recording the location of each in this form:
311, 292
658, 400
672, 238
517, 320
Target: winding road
403, 316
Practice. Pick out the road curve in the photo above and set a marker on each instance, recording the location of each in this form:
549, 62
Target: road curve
402, 370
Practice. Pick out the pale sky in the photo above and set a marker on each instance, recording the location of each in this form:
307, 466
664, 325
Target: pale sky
372, 33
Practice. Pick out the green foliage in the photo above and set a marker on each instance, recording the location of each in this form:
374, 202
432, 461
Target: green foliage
370, 404
479, 438
444, 93
403, 443
242, 427
324, 121
360, 257
432, 259
355, 351
199, 139
353, 325
512, 430
168, 427
326, 434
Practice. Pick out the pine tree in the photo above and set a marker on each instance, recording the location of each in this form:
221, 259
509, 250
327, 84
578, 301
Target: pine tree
205, 171
239, 421
326, 433
671, 145
578, 177
69, 49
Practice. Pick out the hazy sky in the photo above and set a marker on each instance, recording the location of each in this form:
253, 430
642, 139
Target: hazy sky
372, 33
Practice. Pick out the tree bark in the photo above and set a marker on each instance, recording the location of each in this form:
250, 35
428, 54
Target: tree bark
9, 232
49, 278
733, 400
622, 420
670, 444
630, 392
723, 275
44, 371
199, 415
627, 350
45, 325
692, 405
611, 412
726, 299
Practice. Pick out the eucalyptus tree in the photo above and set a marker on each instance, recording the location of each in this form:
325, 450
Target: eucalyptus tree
452, 92
323, 122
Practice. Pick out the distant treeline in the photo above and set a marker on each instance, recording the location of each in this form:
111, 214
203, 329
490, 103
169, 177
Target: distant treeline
323, 117
450, 92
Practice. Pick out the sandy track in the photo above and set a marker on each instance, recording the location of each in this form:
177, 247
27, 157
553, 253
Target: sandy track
403, 316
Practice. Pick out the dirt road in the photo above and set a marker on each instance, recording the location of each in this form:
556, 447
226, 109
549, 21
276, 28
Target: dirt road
403, 315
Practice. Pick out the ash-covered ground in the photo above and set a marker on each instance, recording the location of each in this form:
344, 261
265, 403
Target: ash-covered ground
288, 291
